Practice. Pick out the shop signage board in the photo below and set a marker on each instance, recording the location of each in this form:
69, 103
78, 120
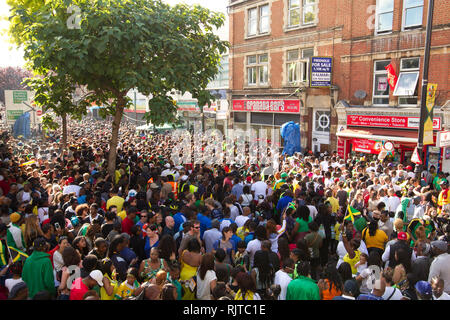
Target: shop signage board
443, 139
18, 102
284, 106
321, 69
389, 122
366, 146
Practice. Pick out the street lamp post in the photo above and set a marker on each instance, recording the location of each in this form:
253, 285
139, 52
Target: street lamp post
423, 100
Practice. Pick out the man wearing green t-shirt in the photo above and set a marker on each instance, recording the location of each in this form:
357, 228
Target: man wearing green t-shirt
303, 288
437, 181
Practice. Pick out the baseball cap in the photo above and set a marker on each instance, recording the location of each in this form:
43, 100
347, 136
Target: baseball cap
402, 236
438, 244
97, 276
284, 175
350, 287
423, 288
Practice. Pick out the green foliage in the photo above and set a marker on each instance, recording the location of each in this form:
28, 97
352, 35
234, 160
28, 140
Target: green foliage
121, 45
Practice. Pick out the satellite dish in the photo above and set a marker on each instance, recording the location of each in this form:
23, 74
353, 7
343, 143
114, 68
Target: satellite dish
360, 94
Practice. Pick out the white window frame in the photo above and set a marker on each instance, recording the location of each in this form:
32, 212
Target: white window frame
301, 73
257, 66
306, 4
405, 8
258, 20
378, 12
408, 71
303, 4
299, 9
375, 73
255, 20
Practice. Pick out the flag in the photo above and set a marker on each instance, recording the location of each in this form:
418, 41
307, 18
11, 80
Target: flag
351, 213
392, 76
17, 254
27, 163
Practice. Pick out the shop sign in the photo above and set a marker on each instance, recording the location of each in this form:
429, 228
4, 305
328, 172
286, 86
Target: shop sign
321, 71
366, 146
443, 139
285, 106
341, 148
389, 121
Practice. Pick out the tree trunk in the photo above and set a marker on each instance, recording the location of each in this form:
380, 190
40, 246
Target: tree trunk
115, 137
64, 131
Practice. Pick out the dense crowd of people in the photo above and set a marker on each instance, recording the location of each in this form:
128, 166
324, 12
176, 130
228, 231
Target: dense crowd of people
317, 228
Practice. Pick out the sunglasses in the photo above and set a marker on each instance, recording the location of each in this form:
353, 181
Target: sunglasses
196, 227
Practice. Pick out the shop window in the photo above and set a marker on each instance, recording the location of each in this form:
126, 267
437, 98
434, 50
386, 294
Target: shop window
258, 69
384, 16
406, 88
261, 118
412, 14
258, 20
281, 119
380, 84
297, 66
240, 117
301, 12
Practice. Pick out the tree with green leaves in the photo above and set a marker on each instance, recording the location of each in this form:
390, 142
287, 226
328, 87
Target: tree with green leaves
118, 45
56, 93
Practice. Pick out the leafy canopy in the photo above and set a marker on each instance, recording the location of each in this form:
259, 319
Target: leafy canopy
123, 44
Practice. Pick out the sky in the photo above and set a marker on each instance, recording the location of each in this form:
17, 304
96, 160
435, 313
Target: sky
11, 56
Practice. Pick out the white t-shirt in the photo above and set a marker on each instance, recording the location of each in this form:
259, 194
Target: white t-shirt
259, 188
72, 188
324, 165
241, 220
283, 279
444, 296
312, 211
246, 200
234, 212
10, 283
204, 286
388, 292
42, 214
58, 261
252, 247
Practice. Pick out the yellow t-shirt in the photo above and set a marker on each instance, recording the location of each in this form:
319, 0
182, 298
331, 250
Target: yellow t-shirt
377, 241
337, 232
122, 214
125, 290
103, 294
240, 232
334, 204
353, 261
115, 201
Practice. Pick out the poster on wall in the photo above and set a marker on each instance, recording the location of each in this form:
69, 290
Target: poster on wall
320, 72
434, 154
366, 146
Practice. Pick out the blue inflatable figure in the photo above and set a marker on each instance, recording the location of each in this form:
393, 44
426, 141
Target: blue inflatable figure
290, 132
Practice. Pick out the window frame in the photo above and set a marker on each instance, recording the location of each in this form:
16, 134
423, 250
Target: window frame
257, 66
409, 71
375, 73
258, 20
301, 67
404, 26
378, 13
301, 11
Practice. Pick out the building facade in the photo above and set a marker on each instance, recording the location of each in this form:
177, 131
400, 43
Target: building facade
274, 42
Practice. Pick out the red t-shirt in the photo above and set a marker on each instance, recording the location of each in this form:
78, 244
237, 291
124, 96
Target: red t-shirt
126, 225
78, 289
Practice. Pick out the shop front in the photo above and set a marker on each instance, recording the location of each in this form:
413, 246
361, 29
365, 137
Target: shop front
265, 115
389, 136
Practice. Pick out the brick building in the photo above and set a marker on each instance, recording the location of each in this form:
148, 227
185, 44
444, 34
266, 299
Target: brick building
272, 42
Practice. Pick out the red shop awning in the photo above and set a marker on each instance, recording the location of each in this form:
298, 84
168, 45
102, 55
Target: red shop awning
401, 136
